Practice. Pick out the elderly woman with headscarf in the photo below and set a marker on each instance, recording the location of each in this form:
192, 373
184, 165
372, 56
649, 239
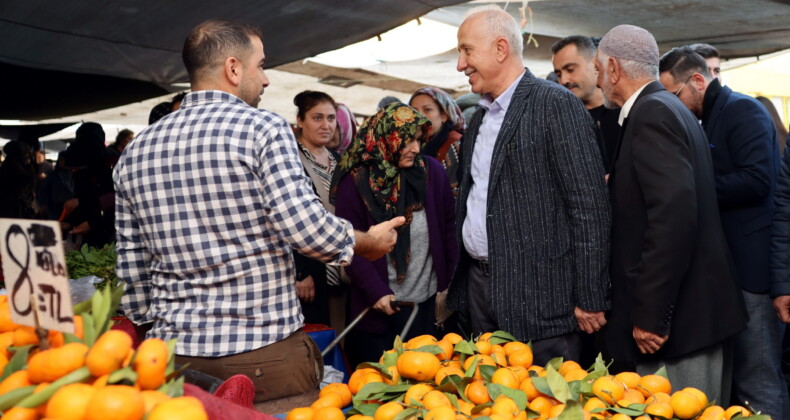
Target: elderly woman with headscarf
447, 127
385, 175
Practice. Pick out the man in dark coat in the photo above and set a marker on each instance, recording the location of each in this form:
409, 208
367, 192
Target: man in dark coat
745, 155
533, 218
674, 296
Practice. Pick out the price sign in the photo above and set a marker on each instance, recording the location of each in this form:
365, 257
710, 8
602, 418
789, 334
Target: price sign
35, 274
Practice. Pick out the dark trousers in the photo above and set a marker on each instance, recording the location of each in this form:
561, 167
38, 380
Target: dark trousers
289, 367
567, 346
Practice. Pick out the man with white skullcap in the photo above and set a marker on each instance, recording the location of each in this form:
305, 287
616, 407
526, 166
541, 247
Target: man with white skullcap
674, 296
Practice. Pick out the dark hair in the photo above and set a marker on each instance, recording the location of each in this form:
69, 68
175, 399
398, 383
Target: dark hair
705, 50
682, 62
123, 134
386, 101
306, 100
211, 42
781, 131
158, 111
552, 77
178, 98
584, 44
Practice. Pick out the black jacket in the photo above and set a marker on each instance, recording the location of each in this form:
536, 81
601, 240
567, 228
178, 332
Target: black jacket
671, 272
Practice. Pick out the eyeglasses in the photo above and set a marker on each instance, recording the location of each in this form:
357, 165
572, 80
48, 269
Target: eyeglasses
677, 92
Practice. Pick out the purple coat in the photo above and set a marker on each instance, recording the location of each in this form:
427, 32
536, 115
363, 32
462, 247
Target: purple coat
369, 279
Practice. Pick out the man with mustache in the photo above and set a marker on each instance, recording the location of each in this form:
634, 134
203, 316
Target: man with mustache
574, 64
211, 200
671, 272
533, 215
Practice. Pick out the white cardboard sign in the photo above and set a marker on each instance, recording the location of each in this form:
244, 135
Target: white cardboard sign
34, 268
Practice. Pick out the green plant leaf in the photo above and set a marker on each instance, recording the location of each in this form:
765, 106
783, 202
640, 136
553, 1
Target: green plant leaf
171, 355
84, 306
88, 329
542, 385
407, 414
126, 374
398, 345
431, 348
628, 411
662, 371
573, 411
480, 407
366, 409
369, 391
472, 368
559, 388
378, 367
390, 359
518, 396
465, 348
455, 383
17, 362
453, 399
499, 337
487, 371
555, 363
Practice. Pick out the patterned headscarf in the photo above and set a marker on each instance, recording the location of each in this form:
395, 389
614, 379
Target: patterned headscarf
347, 126
446, 103
388, 190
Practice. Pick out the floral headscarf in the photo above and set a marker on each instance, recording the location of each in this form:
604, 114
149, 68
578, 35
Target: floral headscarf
388, 190
446, 103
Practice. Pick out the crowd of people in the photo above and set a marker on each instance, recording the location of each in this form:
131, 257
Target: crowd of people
76, 191
634, 206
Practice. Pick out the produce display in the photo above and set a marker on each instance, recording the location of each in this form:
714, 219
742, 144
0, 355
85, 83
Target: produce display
92, 374
493, 378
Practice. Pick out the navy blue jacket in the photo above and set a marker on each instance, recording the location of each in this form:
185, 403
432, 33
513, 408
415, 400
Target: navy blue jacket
780, 239
745, 155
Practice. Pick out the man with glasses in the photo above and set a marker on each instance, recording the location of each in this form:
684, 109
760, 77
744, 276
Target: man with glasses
674, 296
745, 155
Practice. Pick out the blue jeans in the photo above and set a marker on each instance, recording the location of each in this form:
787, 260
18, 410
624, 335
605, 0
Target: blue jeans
757, 369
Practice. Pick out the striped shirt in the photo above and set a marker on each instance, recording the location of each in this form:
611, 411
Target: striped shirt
210, 202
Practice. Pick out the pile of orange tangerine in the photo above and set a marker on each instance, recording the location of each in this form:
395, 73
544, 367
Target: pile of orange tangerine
493, 378
79, 379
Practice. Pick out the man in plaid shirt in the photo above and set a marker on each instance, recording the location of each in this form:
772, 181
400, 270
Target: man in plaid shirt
210, 201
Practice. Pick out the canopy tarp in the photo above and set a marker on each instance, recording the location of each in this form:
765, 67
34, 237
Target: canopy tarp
52, 52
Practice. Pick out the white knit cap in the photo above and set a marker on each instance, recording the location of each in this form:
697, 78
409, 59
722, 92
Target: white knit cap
630, 42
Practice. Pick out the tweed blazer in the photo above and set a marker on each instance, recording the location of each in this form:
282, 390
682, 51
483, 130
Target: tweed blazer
548, 215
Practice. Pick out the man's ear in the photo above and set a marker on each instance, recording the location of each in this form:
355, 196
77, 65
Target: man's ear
233, 70
615, 71
699, 82
502, 49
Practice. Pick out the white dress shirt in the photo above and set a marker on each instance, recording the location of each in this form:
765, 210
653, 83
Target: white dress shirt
626, 109
475, 235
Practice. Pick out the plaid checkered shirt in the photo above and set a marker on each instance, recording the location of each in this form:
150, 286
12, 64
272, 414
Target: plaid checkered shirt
210, 201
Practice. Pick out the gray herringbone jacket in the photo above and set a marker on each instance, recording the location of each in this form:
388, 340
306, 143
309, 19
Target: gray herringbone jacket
548, 214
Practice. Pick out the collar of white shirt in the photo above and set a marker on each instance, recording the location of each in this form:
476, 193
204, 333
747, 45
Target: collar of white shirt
503, 100
629, 103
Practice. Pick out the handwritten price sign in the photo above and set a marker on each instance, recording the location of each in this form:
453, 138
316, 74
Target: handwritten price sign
35, 274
